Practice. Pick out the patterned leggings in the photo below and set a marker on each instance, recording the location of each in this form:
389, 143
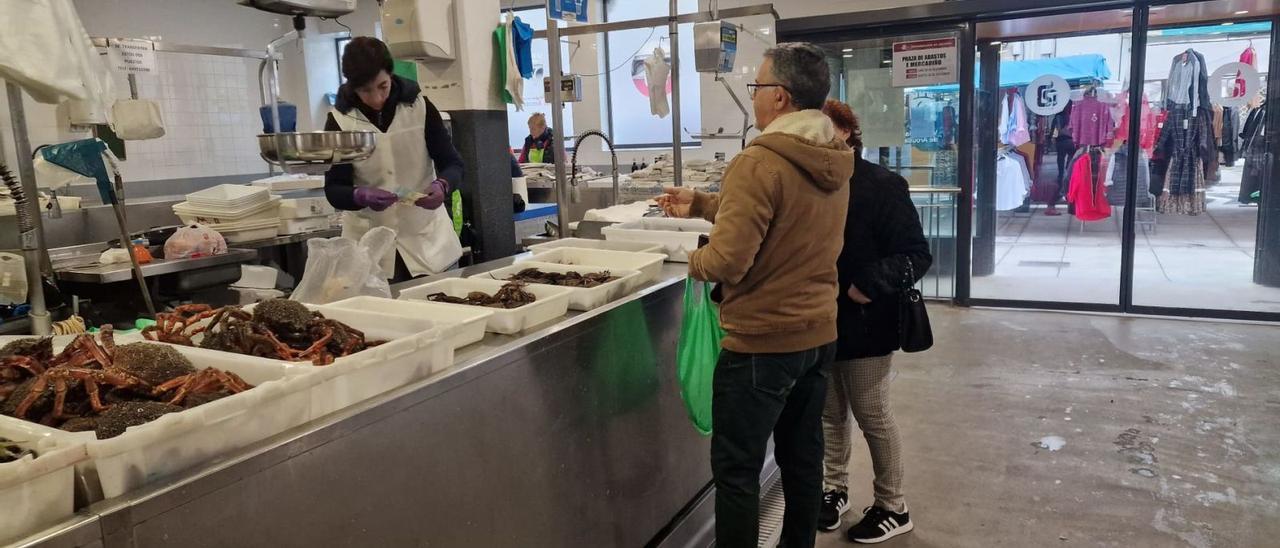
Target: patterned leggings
862, 386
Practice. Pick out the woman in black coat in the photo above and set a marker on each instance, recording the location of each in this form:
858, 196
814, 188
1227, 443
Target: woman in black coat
884, 247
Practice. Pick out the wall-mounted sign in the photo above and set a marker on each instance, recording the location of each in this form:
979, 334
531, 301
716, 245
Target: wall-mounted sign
1236, 72
1048, 95
132, 55
568, 10
924, 62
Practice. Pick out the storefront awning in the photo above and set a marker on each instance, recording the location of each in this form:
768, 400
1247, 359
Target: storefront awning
1072, 68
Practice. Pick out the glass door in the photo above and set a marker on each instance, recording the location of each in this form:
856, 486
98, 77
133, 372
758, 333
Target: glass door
1210, 240
1050, 145
904, 91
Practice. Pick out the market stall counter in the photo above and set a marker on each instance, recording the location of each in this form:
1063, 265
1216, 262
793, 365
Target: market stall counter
571, 433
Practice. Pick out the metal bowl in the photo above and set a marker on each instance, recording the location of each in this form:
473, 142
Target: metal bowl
316, 147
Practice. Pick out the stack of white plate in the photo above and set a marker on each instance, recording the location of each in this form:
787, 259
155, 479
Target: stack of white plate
241, 213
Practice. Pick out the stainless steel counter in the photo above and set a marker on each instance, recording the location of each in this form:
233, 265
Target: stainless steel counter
69, 268
572, 434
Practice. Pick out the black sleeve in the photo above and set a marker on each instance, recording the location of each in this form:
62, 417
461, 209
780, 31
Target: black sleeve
339, 181
447, 161
900, 234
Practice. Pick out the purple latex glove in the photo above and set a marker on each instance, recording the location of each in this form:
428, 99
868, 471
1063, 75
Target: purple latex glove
435, 196
374, 198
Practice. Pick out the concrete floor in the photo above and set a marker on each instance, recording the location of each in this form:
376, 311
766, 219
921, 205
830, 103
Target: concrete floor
1202, 261
1170, 429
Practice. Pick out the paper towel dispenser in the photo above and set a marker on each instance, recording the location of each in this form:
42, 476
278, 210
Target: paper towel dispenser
418, 30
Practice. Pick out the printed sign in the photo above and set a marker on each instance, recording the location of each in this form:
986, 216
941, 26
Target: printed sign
924, 62
1236, 73
1048, 95
568, 10
132, 55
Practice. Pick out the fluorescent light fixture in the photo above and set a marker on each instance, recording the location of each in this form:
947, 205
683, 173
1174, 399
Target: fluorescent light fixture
1227, 24
1242, 12
886, 61
848, 57
847, 50
996, 43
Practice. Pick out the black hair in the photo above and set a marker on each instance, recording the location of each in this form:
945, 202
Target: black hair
363, 59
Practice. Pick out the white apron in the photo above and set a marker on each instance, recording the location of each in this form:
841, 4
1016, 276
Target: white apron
425, 238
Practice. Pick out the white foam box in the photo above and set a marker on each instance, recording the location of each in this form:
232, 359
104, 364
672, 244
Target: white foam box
648, 264
36, 492
550, 302
279, 400
678, 237
586, 243
461, 326
580, 298
303, 225
301, 208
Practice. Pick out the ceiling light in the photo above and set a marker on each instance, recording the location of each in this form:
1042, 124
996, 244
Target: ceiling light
886, 61
996, 43
847, 50
1227, 24
1242, 12
848, 57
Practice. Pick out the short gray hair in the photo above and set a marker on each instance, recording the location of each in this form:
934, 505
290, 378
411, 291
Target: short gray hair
802, 68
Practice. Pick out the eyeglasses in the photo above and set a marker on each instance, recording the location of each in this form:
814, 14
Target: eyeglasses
752, 88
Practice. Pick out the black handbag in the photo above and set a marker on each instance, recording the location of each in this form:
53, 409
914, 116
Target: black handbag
914, 332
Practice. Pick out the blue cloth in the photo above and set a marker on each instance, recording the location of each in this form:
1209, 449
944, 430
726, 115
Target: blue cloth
1020, 73
521, 41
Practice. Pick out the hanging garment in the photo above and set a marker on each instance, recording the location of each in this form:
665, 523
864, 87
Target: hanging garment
1088, 194
1015, 128
1118, 191
1011, 182
1188, 137
1228, 142
424, 238
522, 46
1091, 122
1248, 57
1184, 80
656, 74
1211, 159
1255, 155
1146, 123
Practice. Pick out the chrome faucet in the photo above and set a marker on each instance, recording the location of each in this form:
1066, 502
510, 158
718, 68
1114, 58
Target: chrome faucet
573, 170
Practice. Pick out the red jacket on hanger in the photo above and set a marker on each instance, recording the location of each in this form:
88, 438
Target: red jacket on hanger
1248, 57
1087, 192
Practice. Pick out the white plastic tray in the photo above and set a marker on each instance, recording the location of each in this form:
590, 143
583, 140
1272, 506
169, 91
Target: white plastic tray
191, 213
461, 326
677, 236
579, 298
39, 492
280, 400
552, 302
283, 183
587, 243
229, 195
250, 235
648, 264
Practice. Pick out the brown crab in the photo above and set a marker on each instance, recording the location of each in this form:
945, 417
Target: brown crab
566, 279
510, 295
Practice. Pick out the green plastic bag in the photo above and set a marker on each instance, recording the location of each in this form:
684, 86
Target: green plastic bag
457, 211
698, 351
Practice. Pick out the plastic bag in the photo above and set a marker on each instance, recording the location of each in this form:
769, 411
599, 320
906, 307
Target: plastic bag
136, 120
698, 351
13, 279
340, 268
194, 241
45, 50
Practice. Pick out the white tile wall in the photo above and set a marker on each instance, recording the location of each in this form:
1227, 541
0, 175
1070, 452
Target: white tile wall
210, 110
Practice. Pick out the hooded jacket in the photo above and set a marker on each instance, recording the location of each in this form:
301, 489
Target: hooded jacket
339, 181
777, 234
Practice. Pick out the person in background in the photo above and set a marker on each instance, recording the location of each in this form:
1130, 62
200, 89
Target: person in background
884, 245
538, 145
409, 130
773, 251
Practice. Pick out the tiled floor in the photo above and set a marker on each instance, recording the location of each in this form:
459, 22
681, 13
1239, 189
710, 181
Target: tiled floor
1203, 261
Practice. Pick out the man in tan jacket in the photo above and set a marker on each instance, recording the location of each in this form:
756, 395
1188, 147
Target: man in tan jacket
779, 222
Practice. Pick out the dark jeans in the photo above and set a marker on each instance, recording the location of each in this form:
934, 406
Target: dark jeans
753, 396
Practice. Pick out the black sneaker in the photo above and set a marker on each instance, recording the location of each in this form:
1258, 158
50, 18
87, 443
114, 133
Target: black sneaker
879, 525
834, 505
